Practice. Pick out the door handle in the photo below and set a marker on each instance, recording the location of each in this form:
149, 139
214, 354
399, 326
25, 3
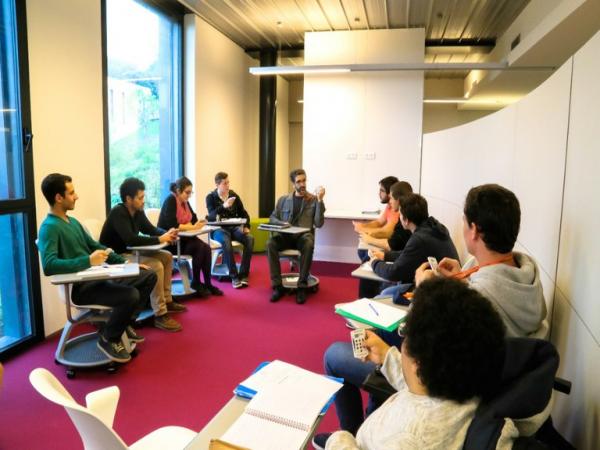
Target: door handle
27, 138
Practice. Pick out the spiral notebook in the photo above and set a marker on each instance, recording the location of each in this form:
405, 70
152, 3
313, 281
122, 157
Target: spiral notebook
282, 414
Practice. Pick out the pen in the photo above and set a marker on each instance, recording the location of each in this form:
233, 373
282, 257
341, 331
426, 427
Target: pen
373, 308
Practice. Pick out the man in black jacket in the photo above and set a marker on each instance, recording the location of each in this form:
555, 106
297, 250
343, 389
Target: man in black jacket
224, 203
122, 229
429, 238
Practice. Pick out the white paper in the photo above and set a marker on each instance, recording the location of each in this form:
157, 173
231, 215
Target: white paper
102, 270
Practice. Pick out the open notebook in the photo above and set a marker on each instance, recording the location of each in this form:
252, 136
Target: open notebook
281, 415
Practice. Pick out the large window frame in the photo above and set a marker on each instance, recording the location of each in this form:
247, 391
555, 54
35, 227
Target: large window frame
26, 205
175, 12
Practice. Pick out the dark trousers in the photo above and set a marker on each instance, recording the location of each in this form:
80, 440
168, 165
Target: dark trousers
126, 297
304, 243
225, 236
200, 253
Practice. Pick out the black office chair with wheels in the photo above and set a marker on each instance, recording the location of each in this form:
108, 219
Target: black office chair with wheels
524, 392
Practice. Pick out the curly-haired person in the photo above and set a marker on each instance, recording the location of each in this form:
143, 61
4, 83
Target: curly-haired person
450, 358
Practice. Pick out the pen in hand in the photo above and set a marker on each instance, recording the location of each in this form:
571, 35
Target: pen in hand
373, 308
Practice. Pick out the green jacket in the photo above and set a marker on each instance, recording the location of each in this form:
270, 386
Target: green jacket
65, 247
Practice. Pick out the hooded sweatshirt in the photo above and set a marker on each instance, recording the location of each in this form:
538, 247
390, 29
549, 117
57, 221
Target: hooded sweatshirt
516, 293
430, 238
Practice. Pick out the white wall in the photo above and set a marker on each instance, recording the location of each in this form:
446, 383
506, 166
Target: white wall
223, 116
65, 74
576, 327
378, 113
543, 148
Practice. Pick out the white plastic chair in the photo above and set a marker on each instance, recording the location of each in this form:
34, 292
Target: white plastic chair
152, 214
94, 422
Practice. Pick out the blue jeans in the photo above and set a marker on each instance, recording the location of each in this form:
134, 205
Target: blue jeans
224, 236
340, 362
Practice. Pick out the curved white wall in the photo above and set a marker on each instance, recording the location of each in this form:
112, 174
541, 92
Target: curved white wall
542, 148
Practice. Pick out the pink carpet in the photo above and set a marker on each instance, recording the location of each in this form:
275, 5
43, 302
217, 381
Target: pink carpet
185, 378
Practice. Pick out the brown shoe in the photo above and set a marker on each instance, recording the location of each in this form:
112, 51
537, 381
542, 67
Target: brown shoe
175, 307
166, 323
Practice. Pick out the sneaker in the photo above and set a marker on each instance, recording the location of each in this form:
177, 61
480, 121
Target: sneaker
115, 351
278, 292
244, 281
301, 296
166, 323
214, 290
174, 307
236, 283
319, 440
201, 289
133, 336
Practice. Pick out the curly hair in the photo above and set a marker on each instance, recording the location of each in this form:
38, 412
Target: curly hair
457, 339
496, 213
130, 187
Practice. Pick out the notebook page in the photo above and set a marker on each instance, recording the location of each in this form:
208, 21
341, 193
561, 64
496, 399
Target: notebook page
298, 397
260, 434
275, 372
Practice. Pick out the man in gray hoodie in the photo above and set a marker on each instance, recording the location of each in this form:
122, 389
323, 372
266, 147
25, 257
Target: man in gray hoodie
510, 280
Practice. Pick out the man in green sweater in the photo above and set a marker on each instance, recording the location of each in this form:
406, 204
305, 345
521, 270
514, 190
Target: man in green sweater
65, 248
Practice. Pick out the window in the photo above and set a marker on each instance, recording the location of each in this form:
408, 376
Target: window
143, 96
20, 308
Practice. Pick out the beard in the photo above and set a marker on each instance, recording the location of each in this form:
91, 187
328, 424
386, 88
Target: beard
301, 190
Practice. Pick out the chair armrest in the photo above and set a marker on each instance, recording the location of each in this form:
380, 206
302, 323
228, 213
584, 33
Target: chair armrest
103, 403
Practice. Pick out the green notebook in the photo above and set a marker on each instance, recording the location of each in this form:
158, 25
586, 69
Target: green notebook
372, 313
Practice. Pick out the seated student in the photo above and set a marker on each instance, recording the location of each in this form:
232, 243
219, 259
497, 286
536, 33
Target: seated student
224, 203
429, 238
451, 356
383, 226
511, 280
396, 242
176, 212
65, 248
300, 209
122, 229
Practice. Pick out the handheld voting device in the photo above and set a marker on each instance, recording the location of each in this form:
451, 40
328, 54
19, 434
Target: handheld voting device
433, 263
358, 343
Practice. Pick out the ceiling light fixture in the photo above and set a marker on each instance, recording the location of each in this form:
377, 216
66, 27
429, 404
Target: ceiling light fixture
337, 68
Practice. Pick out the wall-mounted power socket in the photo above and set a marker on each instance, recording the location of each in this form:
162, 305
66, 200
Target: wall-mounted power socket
352, 156
370, 156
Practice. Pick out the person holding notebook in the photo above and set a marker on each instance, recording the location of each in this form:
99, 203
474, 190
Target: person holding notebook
451, 357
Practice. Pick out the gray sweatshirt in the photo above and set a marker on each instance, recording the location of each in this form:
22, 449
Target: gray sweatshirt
516, 293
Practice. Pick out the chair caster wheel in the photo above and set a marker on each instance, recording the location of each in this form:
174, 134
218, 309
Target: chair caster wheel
70, 374
315, 289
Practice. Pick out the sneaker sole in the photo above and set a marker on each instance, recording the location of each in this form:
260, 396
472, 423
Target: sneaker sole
136, 341
111, 357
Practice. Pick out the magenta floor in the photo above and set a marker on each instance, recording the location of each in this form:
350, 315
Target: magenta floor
184, 378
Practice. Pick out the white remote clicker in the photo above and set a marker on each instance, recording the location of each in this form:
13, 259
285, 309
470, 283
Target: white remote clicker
358, 343
433, 263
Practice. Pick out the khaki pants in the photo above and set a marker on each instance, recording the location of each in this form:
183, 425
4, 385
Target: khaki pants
161, 262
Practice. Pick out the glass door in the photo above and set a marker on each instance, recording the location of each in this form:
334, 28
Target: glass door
20, 304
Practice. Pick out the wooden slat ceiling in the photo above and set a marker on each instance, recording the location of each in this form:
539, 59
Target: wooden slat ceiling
281, 24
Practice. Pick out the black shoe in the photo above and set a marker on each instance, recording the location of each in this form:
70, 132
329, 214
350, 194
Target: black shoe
202, 291
244, 281
133, 336
319, 440
278, 292
214, 290
301, 296
115, 351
